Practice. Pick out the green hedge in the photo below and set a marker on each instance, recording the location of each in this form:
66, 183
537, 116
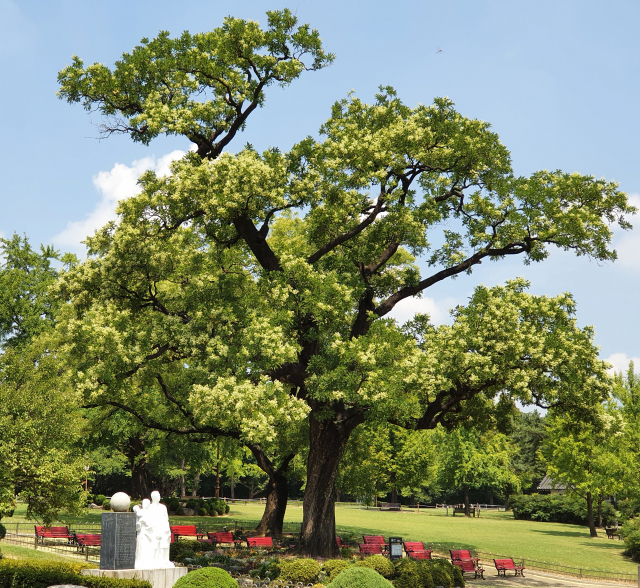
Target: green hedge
631, 536
558, 508
360, 577
206, 578
299, 570
30, 574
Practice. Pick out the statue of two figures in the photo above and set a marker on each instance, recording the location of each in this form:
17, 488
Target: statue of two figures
153, 534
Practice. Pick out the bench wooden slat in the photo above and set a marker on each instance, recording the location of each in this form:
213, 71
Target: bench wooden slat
178, 531
259, 541
370, 548
469, 567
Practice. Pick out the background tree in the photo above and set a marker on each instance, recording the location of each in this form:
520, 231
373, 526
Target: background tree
586, 456
469, 460
527, 436
285, 311
39, 419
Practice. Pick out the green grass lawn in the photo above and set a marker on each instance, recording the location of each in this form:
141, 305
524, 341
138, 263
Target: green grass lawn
497, 532
17, 552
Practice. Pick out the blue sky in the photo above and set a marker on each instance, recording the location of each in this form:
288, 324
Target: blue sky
558, 80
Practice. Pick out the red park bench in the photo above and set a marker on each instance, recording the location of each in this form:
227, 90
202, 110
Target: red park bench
178, 531
87, 540
468, 567
461, 555
43, 533
220, 537
416, 550
371, 548
502, 565
264, 542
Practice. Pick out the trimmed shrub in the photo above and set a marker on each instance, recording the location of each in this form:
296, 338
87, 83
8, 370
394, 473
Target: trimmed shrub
441, 572
407, 575
191, 503
557, 508
206, 578
227, 508
424, 571
332, 567
360, 577
3, 531
178, 550
98, 499
299, 570
41, 574
379, 563
203, 510
106, 504
174, 504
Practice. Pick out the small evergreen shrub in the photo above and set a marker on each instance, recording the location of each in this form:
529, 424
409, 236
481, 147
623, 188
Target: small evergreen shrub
332, 567
191, 503
227, 508
178, 550
407, 575
360, 577
106, 504
3, 531
379, 563
628, 508
203, 510
441, 572
300, 570
206, 578
424, 571
558, 508
98, 499
174, 504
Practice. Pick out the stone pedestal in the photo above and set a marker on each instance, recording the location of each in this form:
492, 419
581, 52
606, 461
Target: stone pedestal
164, 578
118, 545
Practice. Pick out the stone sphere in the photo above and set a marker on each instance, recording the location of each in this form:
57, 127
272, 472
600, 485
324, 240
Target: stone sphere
120, 502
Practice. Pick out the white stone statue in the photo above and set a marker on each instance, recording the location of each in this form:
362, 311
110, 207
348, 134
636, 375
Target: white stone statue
153, 534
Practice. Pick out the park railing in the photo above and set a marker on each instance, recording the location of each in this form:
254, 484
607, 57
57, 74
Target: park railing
555, 568
23, 535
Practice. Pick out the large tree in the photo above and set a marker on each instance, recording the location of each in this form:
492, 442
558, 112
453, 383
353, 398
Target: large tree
246, 292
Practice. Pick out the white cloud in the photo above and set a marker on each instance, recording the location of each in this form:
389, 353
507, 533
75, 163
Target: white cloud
115, 185
438, 310
620, 362
628, 247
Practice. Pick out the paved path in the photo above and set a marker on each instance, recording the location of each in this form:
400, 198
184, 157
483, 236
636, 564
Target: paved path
535, 579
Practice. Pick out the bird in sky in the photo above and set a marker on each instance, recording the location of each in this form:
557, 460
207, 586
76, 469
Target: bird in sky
438, 51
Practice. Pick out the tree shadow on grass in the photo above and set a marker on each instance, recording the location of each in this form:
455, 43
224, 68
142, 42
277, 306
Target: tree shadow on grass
605, 543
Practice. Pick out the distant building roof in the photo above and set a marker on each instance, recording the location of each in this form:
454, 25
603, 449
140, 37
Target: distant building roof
548, 484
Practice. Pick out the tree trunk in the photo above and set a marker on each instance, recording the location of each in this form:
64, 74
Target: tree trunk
600, 499
506, 501
277, 492
491, 496
592, 525
140, 477
327, 441
196, 483
232, 484
467, 506
183, 486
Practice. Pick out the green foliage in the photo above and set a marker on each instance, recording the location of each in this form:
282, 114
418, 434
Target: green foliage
191, 503
41, 574
628, 508
98, 499
442, 572
174, 504
179, 550
407, 574
528, 432
106, 504
303, 570
379, 563
3, 531
631, 536
557, 508
332, 567
359, 577
206, 578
